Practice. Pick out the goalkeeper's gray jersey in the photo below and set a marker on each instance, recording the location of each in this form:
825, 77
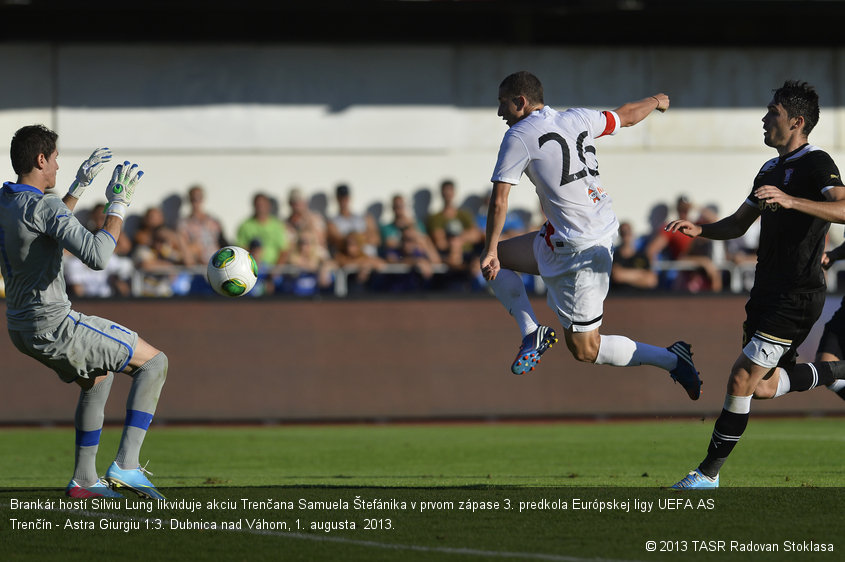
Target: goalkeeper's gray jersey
34, 230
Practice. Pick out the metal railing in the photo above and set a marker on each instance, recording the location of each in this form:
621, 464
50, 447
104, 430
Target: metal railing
739, 276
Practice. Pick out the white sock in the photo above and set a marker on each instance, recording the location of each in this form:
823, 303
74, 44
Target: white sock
738, 404
783, 383
621, 351
510, 290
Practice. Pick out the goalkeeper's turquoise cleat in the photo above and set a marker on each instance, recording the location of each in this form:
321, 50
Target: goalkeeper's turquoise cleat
695, 480
534, 345
134, 480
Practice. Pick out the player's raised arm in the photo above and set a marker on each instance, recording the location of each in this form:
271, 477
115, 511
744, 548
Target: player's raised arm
633, 112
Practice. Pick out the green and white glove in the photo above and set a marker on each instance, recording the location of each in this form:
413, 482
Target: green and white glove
88, 171
121, 188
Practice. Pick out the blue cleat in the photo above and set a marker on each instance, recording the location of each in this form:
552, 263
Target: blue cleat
133, 479
696, 480
533, 346
100, 489
685, 372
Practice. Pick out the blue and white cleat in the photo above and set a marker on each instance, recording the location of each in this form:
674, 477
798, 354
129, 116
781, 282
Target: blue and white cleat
99, 489
685, 372
533, 346
134, 480
696, 480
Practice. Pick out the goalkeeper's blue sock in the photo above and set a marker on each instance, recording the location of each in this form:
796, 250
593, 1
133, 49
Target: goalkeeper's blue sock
90, 412
147, 382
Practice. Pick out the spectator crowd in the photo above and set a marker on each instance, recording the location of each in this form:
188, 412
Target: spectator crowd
302, 251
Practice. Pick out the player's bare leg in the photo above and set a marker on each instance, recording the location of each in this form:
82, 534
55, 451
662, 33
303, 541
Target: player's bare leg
621, 351
827, 370
517, 253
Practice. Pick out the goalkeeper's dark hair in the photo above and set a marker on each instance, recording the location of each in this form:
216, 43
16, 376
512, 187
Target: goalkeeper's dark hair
522, 83
27, 144
799, 99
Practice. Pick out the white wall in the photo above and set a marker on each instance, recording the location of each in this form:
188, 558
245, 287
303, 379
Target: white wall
387, 119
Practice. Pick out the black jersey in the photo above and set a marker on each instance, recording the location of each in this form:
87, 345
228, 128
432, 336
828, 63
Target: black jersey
792, 242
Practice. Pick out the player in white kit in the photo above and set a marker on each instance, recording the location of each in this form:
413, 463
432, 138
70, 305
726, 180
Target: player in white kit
573, 252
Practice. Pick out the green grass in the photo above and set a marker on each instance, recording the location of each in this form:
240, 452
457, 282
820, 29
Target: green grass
783, 482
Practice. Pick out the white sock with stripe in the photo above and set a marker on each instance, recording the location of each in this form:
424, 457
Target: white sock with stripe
621, 351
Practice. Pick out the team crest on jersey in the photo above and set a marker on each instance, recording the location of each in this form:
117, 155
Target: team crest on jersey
596, 193
787, 174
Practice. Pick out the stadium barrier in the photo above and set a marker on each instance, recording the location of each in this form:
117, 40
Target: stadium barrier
739, 277
191, 280
290, 360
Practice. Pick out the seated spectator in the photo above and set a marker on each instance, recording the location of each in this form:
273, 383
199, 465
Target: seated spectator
157, 256
702, 251
115, 280
265, 227
202, 233
514, 224
743, 251
676, 246
302, 219
417, 251
391, 233
266, 282
631, 266
670, 245
315, 265
346, 222
143, 236
353, 256
454, 232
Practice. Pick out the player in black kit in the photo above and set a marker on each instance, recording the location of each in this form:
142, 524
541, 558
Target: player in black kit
831, 343
796, 195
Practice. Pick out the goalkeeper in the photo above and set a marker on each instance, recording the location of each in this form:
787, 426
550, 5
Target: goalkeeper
35, 228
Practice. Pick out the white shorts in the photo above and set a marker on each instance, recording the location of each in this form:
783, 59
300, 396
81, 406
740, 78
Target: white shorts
576, 283
764, 353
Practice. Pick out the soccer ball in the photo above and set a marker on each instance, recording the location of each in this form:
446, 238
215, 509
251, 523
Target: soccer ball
232, 271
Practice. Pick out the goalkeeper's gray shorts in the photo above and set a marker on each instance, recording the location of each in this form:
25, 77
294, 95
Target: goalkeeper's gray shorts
81, 346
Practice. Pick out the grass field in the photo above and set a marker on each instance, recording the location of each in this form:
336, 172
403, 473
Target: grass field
535, 489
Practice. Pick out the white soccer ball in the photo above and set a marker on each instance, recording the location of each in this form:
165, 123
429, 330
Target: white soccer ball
232, 272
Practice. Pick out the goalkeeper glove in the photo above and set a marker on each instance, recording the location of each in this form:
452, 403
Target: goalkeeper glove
121, 188
88, 171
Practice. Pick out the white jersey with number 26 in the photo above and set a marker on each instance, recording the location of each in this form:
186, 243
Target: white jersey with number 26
556, 151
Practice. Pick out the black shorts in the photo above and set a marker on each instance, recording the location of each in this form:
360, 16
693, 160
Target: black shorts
785, 319
833, 337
